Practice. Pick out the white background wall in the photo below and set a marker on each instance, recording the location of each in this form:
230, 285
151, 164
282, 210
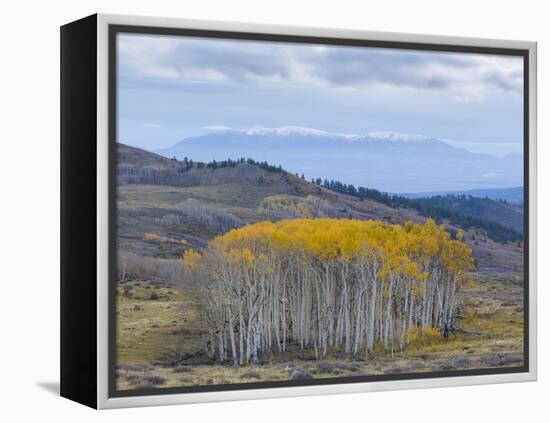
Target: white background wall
29, 177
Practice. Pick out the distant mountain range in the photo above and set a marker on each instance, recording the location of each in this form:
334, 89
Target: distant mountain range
387, 161
513, 194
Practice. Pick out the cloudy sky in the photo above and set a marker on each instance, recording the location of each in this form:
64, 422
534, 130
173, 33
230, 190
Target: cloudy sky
171, 88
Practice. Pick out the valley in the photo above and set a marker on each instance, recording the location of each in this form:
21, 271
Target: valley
167, 207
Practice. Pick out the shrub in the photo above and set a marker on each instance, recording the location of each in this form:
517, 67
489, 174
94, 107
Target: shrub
330, 367
134, 367
416, 335
212, 217
501, 360
182, 369
132, 265
459, 361
289, 206
455, 363
251, 375
491, 360
511, 358
299, 374
162, 239
142, 380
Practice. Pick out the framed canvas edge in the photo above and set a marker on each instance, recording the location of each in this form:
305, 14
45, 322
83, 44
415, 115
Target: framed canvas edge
103, 399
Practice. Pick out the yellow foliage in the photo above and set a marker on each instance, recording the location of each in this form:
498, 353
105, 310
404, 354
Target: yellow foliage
162, 239
405, 250
294, 206
431, 333
419, 335
152, 237
469, 315
243, 255
190, 259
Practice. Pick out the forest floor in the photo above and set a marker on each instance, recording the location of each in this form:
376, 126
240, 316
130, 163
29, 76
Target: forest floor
159, 341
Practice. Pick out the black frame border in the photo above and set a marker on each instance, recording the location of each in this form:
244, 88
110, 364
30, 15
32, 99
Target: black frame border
78, 211
114, 29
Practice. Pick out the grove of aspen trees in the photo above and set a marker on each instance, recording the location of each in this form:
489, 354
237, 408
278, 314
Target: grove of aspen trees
325, 285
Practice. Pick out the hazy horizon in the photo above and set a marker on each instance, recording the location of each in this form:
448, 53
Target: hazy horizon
172, 88
223, 128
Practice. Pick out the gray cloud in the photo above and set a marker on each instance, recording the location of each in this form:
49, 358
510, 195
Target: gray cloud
467, 77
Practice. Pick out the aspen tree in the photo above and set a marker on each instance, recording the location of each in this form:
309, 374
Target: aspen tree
325, 283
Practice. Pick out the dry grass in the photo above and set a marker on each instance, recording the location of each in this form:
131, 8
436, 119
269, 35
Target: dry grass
169, 324
147, 329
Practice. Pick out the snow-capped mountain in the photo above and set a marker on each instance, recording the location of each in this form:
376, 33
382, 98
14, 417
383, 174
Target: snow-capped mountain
388, 161
302, 131
288, 131
395, 137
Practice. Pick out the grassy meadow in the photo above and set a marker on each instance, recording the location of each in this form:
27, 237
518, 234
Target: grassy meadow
159, 341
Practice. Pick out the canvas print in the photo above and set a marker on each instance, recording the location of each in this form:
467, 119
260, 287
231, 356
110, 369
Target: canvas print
292, 212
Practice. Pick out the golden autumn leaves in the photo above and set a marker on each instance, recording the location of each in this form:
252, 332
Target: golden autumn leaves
343, 239
325, 283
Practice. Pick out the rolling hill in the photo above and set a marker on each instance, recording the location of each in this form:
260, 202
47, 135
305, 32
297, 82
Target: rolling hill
506, 214
185, 203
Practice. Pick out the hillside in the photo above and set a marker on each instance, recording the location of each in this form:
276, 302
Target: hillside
513, 194
257, 180
128, 155
507, 214
167, 206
